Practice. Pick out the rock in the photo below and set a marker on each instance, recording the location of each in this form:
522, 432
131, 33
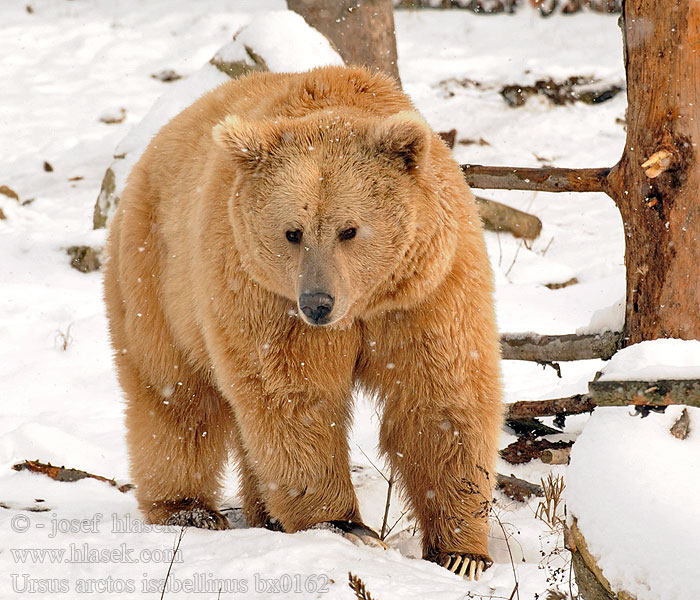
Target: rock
9, 192
236, 60
84, 258
47, 166
681, 428
113, 116
166, 75
105, 200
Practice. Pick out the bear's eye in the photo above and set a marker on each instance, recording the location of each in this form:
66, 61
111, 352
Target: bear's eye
294, 235
347, 234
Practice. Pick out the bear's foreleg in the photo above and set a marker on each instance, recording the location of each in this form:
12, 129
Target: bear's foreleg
437, 371
445, 469
297, 446
254, 509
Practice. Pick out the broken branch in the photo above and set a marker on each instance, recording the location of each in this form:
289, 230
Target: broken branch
63, 474
517, 489
572, 405
526, 449
554, 348
663, 392
547, 179
657, 163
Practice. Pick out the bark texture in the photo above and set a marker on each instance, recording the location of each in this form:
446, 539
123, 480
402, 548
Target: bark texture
659, 202
549, 179
555, 348
362, 31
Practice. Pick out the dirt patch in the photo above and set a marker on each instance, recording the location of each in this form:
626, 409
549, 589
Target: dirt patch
574, 89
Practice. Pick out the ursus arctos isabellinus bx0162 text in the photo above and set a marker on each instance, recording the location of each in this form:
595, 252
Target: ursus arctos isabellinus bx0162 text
282, 241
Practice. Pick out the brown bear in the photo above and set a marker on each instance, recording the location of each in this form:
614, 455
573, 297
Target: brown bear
287, 238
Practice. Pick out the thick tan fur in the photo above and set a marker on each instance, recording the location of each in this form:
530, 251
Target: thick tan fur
214, 353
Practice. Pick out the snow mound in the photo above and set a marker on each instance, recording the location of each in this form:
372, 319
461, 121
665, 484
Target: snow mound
285, 42
610, 318
632, 488
653, 360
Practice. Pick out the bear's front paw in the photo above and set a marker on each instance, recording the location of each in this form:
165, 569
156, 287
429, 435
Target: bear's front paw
464, 565
358, 533
198, 517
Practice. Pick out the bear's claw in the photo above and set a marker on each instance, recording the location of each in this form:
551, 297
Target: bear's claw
358, 533
466, 565
198, 517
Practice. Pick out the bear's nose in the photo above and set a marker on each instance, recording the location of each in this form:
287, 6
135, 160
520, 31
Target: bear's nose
316, 306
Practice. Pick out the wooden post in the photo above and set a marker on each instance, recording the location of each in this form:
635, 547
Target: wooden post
362, 31
655, 184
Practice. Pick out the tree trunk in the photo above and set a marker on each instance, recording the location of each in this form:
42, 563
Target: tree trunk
361, 30
660, 207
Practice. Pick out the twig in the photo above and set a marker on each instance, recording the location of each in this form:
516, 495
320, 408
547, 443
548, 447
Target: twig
390, 485
371, 463
176, 547
63, 474
510, 554
517, 251
401, 516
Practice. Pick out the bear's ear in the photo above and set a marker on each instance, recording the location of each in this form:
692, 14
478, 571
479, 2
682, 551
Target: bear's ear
405, 138
243, 140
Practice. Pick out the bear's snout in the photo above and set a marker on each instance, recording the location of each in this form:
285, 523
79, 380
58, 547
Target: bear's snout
316, 306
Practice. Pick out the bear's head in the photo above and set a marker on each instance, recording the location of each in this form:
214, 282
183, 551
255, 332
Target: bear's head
324, 208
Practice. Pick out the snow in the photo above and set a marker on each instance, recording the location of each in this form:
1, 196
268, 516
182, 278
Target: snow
68, 63
272, 34
655, 359
610, 318
633, 488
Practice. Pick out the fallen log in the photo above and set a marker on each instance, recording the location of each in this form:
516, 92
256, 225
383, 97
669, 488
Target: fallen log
500, 217
526, 449
573, 405
663, 392
589, 576
517, 489
555, 348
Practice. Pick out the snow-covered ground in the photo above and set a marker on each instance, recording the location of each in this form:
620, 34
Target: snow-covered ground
67, 64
